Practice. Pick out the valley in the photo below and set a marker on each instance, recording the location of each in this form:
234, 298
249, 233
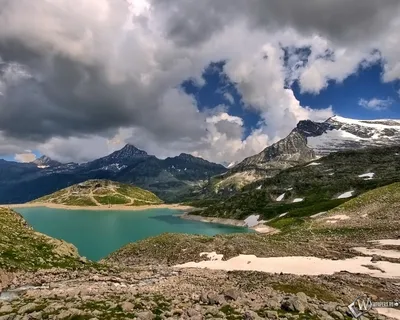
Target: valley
327, 220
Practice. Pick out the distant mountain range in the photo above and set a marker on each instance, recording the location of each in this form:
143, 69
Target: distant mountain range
186, 177
168, 178
309, 141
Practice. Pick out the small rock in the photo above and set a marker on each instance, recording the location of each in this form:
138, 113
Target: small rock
36, 315
192, 312
203, 298
323, 315
232, 294
215, 299
293, 304
302, 297
145, 315
8, 317
28, 308
329, 307
177, 312
127, 306
272, 315
69, 313
337, 315
273, 303
6, 309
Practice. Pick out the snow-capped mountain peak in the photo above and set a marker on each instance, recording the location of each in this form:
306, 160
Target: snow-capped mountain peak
45, 162
339, 133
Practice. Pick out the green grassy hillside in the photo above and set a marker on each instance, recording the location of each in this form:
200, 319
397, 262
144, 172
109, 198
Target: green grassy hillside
23, 248
101, 192
319, 184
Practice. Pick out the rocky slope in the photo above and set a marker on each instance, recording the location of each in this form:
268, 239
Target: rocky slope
169, 178
309, 140
101, 192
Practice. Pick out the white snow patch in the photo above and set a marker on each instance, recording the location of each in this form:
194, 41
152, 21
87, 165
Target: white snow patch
231, 165
339, 217
369, 123
280, 198
259, 188
336, 218
298, 200
331, 174
42, 167
252, 220
289, 189
389, 312
330, 138
313, 164
345, 195
384, 253
387, 242
368, 176
283, 214
297, 265
318, 214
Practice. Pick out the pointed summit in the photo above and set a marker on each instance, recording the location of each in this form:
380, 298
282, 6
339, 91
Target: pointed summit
46, 162
128, 151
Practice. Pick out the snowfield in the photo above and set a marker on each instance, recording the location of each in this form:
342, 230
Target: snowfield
345, 195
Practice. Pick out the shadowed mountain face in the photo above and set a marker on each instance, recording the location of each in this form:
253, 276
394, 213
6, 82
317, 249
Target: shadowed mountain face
169, 178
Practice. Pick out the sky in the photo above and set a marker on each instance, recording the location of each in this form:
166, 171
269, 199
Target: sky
218, 79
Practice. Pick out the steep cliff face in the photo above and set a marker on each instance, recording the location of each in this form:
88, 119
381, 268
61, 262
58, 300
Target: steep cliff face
286, 152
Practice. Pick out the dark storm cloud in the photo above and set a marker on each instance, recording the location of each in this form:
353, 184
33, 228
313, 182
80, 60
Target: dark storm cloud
67, 97
70, 73
191, 22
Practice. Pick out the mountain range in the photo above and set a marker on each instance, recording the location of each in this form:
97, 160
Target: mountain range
309, 141
168, 178
186, 177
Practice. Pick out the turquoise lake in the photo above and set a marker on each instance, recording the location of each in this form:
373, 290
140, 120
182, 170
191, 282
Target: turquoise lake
98, 233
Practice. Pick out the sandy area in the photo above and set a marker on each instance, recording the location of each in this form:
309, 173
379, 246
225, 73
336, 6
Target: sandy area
98, 208
298, 265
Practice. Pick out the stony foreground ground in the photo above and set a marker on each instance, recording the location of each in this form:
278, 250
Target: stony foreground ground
164, 292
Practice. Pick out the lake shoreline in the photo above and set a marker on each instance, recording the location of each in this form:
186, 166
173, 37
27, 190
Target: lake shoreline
100, 208
259, 228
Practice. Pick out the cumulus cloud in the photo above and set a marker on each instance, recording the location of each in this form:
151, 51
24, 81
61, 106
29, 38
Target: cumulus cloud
28, 156
79, 82
376, 104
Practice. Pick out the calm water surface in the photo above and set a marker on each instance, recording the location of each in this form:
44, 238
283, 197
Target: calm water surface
98, 233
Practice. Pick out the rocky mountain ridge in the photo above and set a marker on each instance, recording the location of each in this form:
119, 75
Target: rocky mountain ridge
168, 178
46, 162
308, 141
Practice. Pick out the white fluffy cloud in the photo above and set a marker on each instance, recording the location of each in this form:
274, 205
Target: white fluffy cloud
376, 104
28, 156
78, 82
